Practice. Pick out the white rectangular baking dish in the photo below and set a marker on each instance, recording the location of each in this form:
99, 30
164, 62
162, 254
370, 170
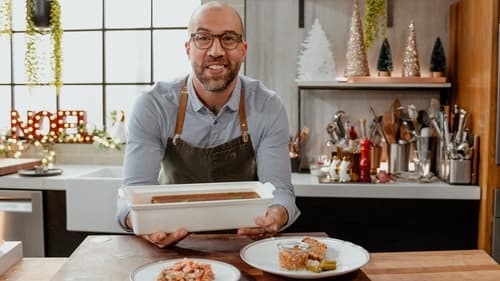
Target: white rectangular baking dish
197, 215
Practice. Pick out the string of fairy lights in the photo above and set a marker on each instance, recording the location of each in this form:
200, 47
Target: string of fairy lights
64, 126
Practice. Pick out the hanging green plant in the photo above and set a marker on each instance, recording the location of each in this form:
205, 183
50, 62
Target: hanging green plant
5, 17
37, 67
374, 20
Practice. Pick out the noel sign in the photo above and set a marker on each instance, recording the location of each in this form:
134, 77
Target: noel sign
59, 124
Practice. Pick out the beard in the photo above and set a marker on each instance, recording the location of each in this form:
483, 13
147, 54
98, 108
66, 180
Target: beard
216, 83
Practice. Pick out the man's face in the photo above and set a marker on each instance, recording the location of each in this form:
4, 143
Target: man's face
216, 67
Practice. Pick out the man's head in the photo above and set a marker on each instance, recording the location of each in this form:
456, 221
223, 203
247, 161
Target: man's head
215, 46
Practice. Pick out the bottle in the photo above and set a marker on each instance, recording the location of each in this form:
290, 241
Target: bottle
364, 162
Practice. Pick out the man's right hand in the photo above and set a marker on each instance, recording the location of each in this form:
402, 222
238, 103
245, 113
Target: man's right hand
162, 239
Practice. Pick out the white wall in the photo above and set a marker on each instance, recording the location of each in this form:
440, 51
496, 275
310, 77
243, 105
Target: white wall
275, 42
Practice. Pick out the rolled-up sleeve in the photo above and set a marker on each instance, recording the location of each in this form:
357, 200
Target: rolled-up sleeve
144, 151
273, 160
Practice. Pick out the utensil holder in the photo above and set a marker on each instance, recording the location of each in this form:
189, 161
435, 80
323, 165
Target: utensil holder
460, 171
398, 158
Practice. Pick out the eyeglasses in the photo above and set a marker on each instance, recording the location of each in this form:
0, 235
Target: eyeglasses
228, 40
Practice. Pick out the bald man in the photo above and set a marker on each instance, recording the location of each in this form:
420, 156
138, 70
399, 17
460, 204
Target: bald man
212, 125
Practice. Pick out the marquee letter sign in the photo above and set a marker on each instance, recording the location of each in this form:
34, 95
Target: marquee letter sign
60, 124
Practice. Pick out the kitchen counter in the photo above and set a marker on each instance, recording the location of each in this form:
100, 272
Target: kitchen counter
59, 182
305, 185
113, 257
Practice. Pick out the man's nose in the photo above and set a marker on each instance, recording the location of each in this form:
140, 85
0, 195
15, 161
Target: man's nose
216, 49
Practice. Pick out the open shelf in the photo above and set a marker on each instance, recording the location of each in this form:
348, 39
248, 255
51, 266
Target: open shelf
302, 84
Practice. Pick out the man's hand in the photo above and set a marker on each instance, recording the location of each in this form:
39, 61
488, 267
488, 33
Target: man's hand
268, 225
162, 239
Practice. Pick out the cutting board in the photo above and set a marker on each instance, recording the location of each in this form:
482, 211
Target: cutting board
12, 165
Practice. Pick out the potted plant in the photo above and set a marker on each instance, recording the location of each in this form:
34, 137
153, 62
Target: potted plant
5, 17
375, 16
43, 22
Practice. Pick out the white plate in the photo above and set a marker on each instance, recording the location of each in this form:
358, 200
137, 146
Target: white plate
263, 254
150, 271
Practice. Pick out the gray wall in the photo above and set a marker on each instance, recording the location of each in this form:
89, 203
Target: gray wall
275, 42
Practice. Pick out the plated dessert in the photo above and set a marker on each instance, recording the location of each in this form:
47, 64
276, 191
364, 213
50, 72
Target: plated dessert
308, 254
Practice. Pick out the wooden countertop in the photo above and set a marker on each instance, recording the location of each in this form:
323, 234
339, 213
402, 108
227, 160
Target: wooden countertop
34, 269
113, 257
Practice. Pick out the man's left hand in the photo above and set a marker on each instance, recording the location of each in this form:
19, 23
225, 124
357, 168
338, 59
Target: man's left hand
268, 225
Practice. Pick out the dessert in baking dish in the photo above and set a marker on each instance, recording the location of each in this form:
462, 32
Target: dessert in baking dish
203, 197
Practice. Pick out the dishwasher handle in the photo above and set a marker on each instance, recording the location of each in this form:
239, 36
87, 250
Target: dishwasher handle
16, 205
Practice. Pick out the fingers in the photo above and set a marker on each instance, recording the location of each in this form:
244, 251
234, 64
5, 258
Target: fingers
256, 233
267, 226
162, 239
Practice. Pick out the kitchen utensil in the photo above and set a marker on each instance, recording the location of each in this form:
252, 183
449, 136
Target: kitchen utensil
339, 122
433, 112
405, 132
396, 110
463, 116
413, 114
362, 123
377, 123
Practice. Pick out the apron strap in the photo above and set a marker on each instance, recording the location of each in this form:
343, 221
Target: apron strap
243, 116
180, 114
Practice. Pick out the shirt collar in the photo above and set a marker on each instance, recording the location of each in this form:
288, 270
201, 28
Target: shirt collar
232, 103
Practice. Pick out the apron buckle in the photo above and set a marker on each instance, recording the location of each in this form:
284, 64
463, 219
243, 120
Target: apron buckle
176, 137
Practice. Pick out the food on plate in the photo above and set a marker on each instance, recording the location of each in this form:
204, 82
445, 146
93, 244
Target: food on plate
187, 270
308, 254
319, 266
317, 261
318, 249
293, 255
173, 198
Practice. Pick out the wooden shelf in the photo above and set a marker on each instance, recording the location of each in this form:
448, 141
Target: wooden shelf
302, 84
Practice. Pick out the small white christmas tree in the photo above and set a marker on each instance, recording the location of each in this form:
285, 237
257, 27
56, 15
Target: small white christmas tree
316, 61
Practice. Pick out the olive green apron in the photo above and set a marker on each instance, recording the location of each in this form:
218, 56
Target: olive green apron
230, 161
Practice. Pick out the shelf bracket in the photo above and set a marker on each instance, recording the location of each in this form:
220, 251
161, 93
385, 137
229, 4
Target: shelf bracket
390, 13
301, 13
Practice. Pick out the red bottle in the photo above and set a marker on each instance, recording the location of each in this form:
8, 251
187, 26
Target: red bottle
364, 162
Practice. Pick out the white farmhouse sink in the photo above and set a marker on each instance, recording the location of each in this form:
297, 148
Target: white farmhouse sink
91, 200
106, 173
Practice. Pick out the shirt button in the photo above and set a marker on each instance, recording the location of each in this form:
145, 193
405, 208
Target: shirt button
215, 122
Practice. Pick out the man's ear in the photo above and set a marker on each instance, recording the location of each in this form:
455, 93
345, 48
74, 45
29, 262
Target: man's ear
187, 47
244, 49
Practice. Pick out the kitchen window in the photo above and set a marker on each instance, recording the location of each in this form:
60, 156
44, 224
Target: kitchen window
113, 50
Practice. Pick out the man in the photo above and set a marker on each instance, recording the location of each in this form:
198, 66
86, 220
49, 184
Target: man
212, 118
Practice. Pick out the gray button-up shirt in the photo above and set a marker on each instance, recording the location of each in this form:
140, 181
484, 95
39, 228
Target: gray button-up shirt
153, 120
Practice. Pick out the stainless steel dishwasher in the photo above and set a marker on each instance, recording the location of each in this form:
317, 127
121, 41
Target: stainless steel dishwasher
21, 219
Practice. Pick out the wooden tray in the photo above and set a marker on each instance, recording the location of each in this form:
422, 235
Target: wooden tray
12, 165
396, 80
